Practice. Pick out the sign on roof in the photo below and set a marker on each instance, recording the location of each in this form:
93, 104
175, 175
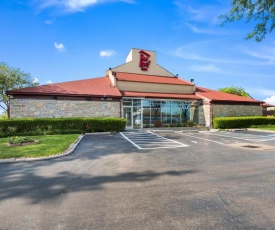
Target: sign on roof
144, 61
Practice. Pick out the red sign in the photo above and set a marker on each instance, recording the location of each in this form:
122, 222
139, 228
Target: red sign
144, 60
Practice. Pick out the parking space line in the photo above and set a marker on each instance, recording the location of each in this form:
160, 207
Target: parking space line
266, 140
253, 138
166, 138
129, 140
200, 138
165, 147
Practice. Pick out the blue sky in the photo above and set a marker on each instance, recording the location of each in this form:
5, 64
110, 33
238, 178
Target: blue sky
63, 40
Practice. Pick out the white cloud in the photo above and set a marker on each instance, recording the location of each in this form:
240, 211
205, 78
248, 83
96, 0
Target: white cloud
262, 91
265, 53
60, 47
197, 12
270, 100
202, 50
49, 82
35, 80
75, 5
199, 30
205, 68
48, 22
107, 53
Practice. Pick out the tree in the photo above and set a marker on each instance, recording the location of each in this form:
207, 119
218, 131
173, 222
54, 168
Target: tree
260, 11
3, 115
235, 90
12, 78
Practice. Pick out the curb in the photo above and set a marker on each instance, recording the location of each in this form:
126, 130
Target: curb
99, 133
67, 152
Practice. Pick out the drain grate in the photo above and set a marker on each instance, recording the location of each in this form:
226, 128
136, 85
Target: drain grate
251, 146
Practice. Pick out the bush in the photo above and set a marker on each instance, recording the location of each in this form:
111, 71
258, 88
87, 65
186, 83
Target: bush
44, 126
20, 140
158, 124
241, 122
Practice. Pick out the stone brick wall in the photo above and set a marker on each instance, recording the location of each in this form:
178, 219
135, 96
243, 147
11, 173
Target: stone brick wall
205, 115
236, 110
21, 108
227, 111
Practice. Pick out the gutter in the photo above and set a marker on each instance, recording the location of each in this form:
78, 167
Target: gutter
211, 114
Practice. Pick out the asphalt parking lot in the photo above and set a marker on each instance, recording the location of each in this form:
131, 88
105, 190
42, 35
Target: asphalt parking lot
146, 180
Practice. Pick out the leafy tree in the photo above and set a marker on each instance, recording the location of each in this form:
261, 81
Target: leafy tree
235, 90
3, 115
260, 11
12, 78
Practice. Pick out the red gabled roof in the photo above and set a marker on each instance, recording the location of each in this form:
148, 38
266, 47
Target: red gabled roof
150, 79
88, 87
159, 95
215, 95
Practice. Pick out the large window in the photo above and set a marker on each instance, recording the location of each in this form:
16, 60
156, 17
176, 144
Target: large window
148, 112
167, 112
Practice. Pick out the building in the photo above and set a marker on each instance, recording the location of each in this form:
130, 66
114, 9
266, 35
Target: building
268, 110
140, 90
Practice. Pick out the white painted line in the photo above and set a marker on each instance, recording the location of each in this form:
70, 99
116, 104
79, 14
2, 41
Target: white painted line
201, 138
136, 134
265, 140
144, 138
158, 142
249, 137
170, 147
229, 137
252, 138
162, 143
168, 139
129, 140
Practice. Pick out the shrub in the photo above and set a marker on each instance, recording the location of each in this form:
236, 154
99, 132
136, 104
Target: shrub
191, 124
241, 122
20, 140
158, 124
43, 126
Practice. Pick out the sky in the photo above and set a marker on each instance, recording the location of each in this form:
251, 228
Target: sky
65, 40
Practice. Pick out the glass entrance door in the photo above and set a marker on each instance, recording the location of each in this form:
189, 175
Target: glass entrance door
127, 114
133, 117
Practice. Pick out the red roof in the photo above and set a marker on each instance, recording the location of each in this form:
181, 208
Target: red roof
149, 78
88, 87
268, 105
159, 95
215, 95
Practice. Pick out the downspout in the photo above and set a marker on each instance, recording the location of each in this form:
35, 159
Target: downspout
211, 115
120, 107
9, 107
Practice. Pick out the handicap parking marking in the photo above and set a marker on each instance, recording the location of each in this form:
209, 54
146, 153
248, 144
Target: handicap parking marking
244, 136
149, 140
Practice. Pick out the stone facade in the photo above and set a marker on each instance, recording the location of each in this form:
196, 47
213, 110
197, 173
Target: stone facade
236, 110
22, 108
205, 117
227, 110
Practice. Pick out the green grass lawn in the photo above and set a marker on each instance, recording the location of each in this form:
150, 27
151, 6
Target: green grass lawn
49, 145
